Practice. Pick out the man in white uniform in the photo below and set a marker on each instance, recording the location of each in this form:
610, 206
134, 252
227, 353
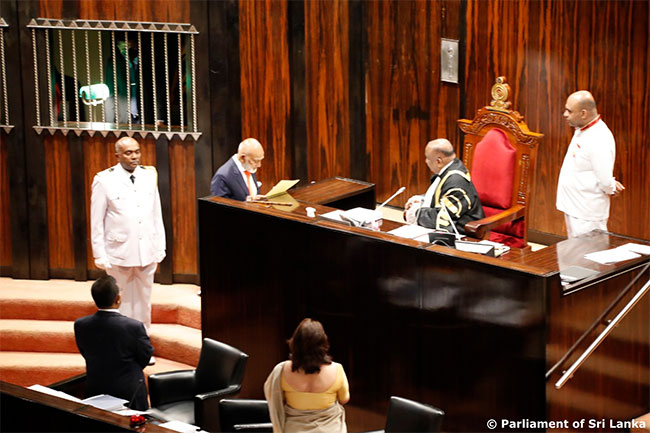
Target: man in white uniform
128, 237
586, 178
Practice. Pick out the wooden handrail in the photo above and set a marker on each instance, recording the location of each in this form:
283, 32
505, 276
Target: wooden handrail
601, 337
596, 322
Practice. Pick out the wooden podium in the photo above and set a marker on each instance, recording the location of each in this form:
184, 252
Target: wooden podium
471, 334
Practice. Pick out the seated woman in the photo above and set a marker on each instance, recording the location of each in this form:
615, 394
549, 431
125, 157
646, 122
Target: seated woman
305, 394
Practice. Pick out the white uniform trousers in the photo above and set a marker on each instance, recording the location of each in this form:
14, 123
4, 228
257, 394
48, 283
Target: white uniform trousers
576, 226
135, 283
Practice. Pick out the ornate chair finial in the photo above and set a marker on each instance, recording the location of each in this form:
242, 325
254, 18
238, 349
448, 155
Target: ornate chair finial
500, 92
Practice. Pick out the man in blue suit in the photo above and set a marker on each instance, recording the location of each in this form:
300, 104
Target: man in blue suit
236, 178
116, 348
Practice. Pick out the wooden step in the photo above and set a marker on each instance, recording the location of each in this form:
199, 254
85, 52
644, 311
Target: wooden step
171, 341
45, 368
69, 300
37, 343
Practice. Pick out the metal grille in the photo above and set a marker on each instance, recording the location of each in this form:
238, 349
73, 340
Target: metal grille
100, 78
4, 100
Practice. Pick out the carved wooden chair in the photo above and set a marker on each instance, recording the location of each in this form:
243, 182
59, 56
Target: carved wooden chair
501, 153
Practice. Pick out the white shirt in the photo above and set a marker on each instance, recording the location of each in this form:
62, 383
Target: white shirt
425, 200
241, 171
586, 178
428, 197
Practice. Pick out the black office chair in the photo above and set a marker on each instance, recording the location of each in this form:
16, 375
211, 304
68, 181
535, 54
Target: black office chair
410, 416
192, 396
243, 415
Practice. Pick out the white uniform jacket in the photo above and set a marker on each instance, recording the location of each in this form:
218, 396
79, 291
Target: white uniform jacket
586, 178
126, 218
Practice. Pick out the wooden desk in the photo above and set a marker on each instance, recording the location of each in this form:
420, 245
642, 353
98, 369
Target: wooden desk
338, 192
470, 334
25, 410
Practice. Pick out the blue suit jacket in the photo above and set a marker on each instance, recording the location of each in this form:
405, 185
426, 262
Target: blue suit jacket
116, 349
228, 182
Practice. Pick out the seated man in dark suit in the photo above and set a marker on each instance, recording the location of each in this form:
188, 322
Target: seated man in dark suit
451, 196
116, 348
236, 178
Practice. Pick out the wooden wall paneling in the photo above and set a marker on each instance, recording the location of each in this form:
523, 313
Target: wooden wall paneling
265, 84
78, 208
176, 11
59, 199
327, 69
224, 80
5, 214
530, 64
545, 56
163, 157
298, 102
357, 64
450, 95
620, 83
99, 154
184, 221
202, 157
14, 142
404, 93
58, 170
35, 165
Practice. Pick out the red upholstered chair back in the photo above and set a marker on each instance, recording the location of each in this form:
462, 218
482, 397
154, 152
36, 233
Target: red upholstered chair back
501, 153
493, 174
493, 170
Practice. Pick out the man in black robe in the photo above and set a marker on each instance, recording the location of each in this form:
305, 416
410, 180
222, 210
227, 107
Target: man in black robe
451, 196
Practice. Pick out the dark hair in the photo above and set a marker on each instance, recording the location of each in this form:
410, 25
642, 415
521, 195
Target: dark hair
309, 346
104, 291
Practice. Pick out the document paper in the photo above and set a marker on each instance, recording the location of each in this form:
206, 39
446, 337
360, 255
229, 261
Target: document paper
411, 231
613, 255
281, 187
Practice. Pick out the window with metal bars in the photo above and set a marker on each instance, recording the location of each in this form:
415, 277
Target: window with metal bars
119, 77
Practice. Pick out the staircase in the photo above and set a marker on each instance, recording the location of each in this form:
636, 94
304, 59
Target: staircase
37, 344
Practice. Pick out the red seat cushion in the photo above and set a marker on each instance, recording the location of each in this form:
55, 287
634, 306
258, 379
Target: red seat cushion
493, 170
511, 233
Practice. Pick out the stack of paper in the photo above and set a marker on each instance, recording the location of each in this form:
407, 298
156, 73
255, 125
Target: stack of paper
54, 392
637, 248
106, 402
411, 231
182, 427
614, 255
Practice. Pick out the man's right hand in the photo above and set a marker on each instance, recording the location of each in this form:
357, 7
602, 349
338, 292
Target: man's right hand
103, 264
618, 188
412, 205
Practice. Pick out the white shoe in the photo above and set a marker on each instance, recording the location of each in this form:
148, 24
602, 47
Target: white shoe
152, 361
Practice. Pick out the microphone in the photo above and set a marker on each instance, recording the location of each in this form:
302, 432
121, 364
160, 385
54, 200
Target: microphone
399, 191
137, 388
453, 226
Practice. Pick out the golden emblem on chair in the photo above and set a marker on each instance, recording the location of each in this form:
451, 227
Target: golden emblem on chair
500, 92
